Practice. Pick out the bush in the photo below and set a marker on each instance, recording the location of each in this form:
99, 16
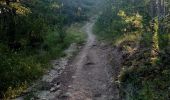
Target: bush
17, 68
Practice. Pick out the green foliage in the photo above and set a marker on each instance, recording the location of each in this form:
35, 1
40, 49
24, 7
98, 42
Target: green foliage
53, 45
164, 40
32, 33
17, 68
109, 25
128, 24
145, 83
75, 35
133, 23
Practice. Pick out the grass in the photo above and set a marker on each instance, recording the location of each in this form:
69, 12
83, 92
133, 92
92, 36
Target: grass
142, 80
75, 34
146, 82
19, 69
135, 37
103, 35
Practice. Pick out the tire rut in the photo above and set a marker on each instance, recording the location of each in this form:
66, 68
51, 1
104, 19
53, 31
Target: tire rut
90, 73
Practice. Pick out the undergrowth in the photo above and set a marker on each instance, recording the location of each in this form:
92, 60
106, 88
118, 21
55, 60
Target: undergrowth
139, 78
20, 68
145, 68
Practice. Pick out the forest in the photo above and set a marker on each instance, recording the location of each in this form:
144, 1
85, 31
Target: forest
31, 33
34, 32
140, 30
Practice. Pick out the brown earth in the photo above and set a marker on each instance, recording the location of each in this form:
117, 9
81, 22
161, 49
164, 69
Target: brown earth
89, 76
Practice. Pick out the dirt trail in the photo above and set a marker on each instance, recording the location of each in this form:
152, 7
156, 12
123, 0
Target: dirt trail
89, 75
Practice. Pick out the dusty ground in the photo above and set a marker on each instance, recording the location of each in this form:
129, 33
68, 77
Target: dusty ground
89, 76
86, 76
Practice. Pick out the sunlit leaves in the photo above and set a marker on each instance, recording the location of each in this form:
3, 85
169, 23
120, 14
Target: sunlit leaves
20, 9
14, 6
133, 21
121, 13
55, 5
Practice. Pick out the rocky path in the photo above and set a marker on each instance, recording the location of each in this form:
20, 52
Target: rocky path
87, 76
90, 73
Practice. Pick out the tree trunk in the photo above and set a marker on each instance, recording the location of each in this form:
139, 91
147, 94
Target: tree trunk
7, 2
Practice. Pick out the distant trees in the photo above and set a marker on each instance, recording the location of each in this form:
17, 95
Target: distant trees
8, 21
159, 8
31, 33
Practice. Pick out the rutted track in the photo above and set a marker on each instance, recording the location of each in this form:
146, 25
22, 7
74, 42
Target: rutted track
89, 75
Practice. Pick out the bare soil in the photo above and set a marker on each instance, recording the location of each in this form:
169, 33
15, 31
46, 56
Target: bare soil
89, 76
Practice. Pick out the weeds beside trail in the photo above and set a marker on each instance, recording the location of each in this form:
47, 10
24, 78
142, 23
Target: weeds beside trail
23, 68
142, 40
89, 74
